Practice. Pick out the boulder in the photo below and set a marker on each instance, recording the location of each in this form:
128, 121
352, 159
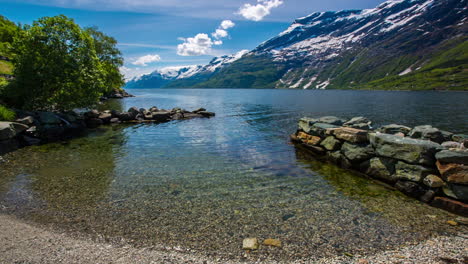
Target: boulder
330, 143
105, 117
148, 115
394, 128
199, 110
133, 111
9, 130
94, 122
8, 146
459, 138
414, 151
433, 181
206, 114
31, 141
338, 158
452, 144
29, 121
306, 123
349, 134
453, 206
410, 172
427, 132
114, 120
453, 172
456, 191
447, 136
161, 116
320, 129
51, 132
250, 244
410, 188
359, 123
453, 156
331, 120
125, 116
381, 168
178, 116
115, 113
92, 114
357, 153
49, 118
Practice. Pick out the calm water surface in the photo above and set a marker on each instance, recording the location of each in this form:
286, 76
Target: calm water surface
203, 185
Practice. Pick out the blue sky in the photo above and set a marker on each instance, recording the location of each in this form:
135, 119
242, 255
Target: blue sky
159, 33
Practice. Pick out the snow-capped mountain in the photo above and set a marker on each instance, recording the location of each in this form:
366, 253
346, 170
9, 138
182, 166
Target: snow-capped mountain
168, 75
400, 44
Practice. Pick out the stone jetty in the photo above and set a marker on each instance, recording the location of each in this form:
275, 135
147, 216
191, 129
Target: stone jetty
34, 128
423, 162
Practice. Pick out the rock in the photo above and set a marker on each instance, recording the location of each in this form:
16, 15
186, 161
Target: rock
427, 132
92, 114
410, 172
161, 116
133, 111
394, 128
428, 196
206, 114
447, 136
29, 121
433, 181
105, 117
8, 146
250, 244
125, 116
452, 144
9, 130
359, 123
331, 120
30, 141
142, 111
308, 139
316, 149
114, 120
458, 191
453, 206
410, 188
459, 138
306, 123
451, 156
51, 132
199, 110
452, 223
399, 134
320, 129
410, 150
94, 122
349, 134
49, 118
357, 153
453, 172
338, 158
381, 168
272, 242
178, 116
154, 109
148, 115
330, 143
115, 113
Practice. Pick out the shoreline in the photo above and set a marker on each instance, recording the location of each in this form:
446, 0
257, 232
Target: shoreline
46, 245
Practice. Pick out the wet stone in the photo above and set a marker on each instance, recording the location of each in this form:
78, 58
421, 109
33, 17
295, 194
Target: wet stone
250, 244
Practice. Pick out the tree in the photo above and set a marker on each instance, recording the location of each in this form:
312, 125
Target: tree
56, 66
110, 58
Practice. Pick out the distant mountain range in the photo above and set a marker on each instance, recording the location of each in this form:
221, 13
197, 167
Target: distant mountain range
399, 45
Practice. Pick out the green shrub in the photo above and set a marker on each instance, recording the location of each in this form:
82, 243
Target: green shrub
6, 114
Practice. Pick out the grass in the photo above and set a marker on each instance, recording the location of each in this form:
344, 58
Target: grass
6, 114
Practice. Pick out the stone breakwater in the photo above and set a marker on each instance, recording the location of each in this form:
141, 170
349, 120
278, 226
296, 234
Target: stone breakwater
34, 128
423, 162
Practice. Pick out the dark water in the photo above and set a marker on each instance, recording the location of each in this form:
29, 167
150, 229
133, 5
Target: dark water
205, 184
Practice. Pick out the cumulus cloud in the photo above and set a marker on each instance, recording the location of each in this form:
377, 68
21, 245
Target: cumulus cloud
199, 45
260, 10
144, 60
227, 24
220, 33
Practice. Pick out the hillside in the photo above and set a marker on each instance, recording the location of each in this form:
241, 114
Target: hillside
401, 44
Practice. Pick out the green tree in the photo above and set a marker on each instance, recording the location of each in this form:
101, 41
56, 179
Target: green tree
56, 66
110, 58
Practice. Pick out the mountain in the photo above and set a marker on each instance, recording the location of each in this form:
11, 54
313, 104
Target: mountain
401, 44
181, 76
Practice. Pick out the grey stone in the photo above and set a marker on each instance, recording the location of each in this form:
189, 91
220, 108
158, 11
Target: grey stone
413, 151
433, 181
410, 172
161, 116
452, 156
125, 116
92, 114
49, 118
338, 158
459, 138
305, 123
29, 121
357, 153
359, 123
381, 168
410, 188
320, 129
331, 143
30, 141
133, 111
332, 120
105, 117
206, 114
154, 109
446, 135
456, 191
452, 144
427, 132
394, 128
9, 130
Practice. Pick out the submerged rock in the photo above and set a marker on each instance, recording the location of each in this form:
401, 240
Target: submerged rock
250, 244
272, 242
381, 168
357, 153
410, 172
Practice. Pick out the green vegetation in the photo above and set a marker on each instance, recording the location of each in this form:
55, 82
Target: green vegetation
56, 64
6, 114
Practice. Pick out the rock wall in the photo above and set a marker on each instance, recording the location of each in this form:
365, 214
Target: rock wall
34, 128
423, 162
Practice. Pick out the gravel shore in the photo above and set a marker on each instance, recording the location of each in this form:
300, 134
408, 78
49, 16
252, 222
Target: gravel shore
21, 242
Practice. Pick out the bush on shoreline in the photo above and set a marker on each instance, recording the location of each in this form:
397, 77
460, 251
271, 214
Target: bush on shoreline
6, 114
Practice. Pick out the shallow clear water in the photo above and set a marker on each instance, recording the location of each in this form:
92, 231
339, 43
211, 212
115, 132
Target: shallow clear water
205, 184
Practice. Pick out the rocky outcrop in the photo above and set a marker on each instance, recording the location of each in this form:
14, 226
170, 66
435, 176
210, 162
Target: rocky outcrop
33, 128
423, 162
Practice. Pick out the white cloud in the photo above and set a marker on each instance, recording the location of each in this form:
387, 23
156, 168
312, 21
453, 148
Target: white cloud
143, 61
199, 45
227, 24
260, 10
218, 42
220, 33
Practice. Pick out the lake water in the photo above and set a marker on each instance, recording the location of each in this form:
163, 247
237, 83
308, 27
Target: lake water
203, 185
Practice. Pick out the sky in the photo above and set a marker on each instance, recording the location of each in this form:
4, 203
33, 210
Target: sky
153, 34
